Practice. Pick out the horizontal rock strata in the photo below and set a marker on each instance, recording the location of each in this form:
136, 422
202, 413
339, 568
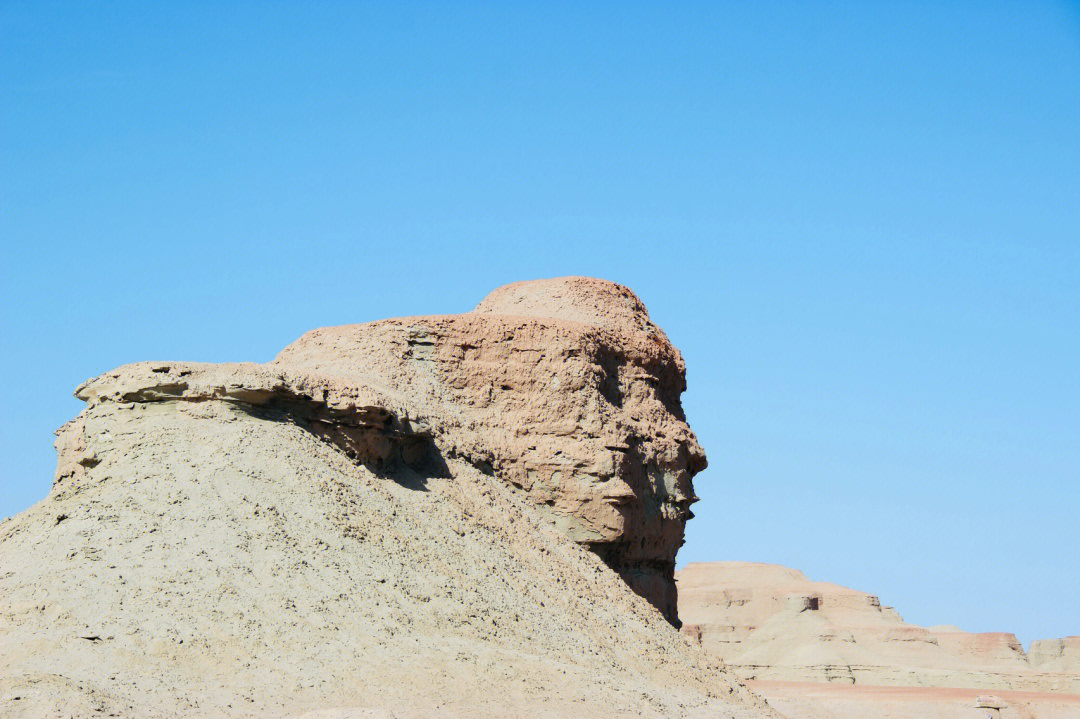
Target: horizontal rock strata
771, 623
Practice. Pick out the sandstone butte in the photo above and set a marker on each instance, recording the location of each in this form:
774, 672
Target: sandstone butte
460, 515
781, 632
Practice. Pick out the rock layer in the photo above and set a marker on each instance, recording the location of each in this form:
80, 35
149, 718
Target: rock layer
772, 623
376, 521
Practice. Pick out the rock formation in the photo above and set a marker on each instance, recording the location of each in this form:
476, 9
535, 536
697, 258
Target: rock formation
771, 623
1056, 655
404, 518
564, 389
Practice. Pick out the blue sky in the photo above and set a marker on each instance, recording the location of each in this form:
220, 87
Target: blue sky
860, 222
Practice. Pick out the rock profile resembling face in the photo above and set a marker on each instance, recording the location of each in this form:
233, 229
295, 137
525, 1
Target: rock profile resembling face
561, 388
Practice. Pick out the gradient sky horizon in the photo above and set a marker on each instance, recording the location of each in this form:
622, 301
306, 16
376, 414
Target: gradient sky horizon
860, 222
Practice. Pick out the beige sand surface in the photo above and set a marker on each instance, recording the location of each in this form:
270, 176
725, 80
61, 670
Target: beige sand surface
809, 700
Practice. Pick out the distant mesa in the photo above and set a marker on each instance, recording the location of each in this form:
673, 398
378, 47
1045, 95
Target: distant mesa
771, 623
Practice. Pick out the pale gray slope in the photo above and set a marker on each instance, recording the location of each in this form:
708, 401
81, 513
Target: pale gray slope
220, 562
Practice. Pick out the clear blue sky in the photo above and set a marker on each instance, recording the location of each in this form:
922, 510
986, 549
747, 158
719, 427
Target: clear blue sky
860, 222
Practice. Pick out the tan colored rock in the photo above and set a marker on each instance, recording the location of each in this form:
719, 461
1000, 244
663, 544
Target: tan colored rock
374, 524
563, 388
772, 623
989, 701
995, 650
1061, 655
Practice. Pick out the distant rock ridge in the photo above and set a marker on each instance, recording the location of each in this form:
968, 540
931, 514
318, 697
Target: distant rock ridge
405, 518
769, 622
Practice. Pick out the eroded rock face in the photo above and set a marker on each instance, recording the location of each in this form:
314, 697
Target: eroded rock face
561, 388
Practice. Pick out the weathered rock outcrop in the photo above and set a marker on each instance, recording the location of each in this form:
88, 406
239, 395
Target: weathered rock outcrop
562, 388
1056, 655
772, 623
379, 518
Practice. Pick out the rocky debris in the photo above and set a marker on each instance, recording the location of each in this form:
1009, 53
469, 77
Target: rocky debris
378, 522
772, 623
